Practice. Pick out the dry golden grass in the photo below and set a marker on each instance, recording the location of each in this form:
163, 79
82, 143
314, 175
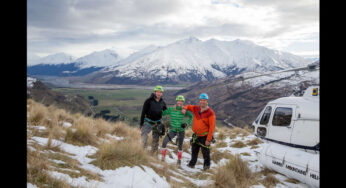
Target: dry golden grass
121, 153
216, 155
246, 154
254, 141
221, 136
85, 133
37, 113
220, 144
235, 173
188, 133
238, 144
37, 167
294, 181
103, 127
270, 181
240, 131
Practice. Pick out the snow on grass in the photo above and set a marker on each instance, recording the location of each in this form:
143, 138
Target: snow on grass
29, 185
66, 124
114, 137
120, 177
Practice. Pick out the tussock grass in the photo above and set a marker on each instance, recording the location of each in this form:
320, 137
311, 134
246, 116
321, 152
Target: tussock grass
246, 154
85, 133
122, 129
270, 181
238, 144
254, 141
188, 133
248, 129
37, 167
235, 173
221, 136
50, 146
290, 180
121, 153
37, 112
216, 155
63, 116
220, 144
103, 127
238, 131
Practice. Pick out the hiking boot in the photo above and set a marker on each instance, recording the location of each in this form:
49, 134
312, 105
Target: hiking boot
178, 162
206, 167
191, 166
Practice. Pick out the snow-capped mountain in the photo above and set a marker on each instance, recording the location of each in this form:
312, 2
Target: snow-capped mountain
62, 64
58, 58
191, 60
99, 59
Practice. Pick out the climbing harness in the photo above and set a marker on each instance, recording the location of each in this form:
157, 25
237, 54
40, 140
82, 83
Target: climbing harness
194, 138
156, 126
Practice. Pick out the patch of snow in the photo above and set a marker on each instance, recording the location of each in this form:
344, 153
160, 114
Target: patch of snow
29, 185
115, 137
30, 82
67, 124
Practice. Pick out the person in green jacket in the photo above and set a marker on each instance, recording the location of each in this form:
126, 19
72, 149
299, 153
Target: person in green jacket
177, 126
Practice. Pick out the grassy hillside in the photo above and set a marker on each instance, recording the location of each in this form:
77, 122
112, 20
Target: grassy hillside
124, 102
73, 103
72, 150
127, 103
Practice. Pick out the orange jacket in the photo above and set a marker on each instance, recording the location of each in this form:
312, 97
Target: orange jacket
199, 127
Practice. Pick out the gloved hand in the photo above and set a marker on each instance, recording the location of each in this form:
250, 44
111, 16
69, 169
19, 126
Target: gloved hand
183, 125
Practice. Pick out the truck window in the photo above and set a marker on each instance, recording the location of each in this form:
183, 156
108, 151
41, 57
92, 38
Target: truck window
282, 116
266, 116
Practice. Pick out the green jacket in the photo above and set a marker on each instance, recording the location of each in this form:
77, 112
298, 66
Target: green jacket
177, 118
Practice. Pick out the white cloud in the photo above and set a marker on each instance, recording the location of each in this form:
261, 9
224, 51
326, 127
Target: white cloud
79, 27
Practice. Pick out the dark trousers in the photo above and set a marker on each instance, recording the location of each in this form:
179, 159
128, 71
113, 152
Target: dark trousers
195, 149
172, 134
155, 138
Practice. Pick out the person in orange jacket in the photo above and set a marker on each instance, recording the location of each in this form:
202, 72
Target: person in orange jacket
203, 127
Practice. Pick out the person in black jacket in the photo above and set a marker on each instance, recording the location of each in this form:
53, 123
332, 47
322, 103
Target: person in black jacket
151, 118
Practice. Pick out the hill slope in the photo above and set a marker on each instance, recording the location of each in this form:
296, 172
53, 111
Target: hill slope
239, 99
37, 91
70, 150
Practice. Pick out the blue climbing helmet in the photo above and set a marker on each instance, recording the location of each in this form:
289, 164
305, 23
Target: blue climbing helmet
203, 96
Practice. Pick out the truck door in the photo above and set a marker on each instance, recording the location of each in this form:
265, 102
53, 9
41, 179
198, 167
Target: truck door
281, 123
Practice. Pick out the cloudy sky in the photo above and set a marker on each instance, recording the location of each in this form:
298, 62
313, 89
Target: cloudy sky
79, 27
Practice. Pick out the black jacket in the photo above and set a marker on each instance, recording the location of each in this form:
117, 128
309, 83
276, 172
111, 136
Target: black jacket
152, 109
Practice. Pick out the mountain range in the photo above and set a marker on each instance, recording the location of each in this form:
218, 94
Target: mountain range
239, 99
185, 61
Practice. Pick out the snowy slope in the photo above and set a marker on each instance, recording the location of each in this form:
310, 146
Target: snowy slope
204, 60
62, 64
58, 58
145, 176
99, 59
